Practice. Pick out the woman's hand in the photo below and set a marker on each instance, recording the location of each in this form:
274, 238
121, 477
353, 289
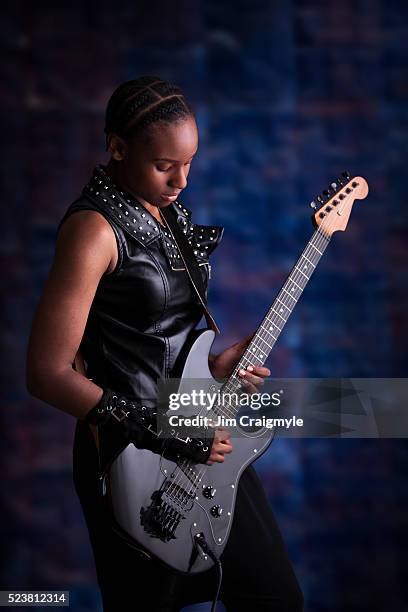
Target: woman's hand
222, 366
221, 446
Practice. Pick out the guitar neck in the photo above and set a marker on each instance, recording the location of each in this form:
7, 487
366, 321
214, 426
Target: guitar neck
275, 320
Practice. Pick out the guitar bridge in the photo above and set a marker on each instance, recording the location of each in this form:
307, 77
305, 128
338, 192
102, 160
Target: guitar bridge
160, 519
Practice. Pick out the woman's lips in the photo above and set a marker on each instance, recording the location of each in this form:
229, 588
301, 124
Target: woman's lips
169, 197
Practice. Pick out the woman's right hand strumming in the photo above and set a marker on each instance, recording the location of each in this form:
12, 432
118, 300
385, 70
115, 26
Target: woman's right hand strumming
221, 446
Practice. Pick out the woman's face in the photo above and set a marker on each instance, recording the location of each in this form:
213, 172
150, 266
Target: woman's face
154, 165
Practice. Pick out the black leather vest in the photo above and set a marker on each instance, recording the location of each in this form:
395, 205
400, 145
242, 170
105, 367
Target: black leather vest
142, 312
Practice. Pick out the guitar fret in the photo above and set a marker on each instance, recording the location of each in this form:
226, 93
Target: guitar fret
273, 324
263, 340
278, 300
267, 343
311, 263
295, 283
256, 348
289, 294
305, 275
257, 340
283, 319
311, 244
270, 333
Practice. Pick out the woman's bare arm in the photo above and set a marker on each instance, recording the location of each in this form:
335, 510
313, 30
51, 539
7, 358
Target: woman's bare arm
85, 250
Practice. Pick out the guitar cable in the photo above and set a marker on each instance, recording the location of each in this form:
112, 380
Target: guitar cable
202, 543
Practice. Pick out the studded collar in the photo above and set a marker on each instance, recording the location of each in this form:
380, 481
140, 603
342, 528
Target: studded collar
140, 224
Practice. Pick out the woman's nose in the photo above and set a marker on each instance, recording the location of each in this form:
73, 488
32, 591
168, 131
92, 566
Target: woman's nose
179, 179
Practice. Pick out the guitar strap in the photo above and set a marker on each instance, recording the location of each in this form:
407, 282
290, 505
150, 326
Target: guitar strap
190, 262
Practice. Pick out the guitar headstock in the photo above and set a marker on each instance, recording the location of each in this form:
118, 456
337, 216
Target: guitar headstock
333, 206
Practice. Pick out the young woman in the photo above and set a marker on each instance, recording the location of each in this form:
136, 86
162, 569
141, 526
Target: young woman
119, 297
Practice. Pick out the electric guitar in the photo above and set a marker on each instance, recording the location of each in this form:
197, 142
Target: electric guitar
181, 513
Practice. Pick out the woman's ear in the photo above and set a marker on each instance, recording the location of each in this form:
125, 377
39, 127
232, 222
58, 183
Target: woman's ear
116, 146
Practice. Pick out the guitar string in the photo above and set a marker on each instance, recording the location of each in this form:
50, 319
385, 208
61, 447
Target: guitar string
324, 240
296, 273
321, 239
271, 318
295, 278
171, 489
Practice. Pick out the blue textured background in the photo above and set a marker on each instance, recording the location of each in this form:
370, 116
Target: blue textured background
287, 95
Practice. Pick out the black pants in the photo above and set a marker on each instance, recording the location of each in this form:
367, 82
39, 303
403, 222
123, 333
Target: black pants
257, 574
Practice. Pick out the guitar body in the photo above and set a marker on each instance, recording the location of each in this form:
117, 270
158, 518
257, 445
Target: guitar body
137, 474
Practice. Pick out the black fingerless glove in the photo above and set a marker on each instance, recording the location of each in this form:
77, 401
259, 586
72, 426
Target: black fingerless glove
139, 425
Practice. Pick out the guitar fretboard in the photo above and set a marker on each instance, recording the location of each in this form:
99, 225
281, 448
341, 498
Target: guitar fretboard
273, 323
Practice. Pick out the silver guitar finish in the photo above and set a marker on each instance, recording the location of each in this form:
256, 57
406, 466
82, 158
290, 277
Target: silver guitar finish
137, 473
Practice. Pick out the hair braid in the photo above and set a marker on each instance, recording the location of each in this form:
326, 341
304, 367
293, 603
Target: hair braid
136, 104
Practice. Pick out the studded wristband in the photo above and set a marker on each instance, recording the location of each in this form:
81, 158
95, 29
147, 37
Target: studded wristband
110, 406
139, 426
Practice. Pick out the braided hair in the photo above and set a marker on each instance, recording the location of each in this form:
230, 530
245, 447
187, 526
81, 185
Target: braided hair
139, 103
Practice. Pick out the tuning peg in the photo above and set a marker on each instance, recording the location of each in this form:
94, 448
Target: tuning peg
333, 186
346, 175
313, 205
320, 199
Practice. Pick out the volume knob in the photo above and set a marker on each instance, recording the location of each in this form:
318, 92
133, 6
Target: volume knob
208, 492
216, 511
